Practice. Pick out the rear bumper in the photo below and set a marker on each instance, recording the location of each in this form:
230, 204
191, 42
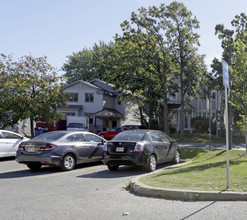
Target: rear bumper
45, 158
137, 159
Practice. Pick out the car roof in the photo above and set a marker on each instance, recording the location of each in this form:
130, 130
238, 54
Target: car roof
69, 132
9, 131
142, 131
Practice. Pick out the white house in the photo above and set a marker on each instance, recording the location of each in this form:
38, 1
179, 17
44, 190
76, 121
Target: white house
195, 108
100, 102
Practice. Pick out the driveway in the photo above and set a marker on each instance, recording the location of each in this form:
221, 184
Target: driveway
93, 192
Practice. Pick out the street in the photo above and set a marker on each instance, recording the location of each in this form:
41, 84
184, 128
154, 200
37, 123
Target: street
93, 192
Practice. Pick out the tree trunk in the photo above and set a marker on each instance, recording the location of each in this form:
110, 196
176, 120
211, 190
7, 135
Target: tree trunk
165, 110
182, 105
32, 127
143, 121
245, 133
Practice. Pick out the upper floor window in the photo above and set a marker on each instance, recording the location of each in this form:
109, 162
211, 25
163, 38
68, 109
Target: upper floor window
89, 97
172, 96
213, 95
72, 97
119, 102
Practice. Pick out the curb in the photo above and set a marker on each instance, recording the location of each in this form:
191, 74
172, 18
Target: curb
186, 195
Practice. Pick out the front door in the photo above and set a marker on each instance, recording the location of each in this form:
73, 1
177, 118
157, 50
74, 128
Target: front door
160, 146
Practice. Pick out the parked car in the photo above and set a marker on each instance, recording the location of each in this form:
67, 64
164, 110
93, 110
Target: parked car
63, 149
145, 148
110, 134
132, 127
9, 142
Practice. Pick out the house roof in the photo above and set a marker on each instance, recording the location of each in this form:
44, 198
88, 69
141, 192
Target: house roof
80, 81
95, 86
108, 113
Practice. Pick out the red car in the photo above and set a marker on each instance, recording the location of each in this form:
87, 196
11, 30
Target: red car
110, 134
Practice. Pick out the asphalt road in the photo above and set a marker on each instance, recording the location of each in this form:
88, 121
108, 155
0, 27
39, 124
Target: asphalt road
93, 192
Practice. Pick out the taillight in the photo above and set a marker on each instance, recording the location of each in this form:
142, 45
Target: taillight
139, 147
48, 147
20, 147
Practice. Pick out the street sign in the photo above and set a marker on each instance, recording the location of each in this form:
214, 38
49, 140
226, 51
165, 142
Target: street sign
225, 70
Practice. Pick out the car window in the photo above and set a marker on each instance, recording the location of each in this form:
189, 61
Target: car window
130, 136
48, 136
155, 137
9, 135
92, 138
164, 138
75, 138
114, 129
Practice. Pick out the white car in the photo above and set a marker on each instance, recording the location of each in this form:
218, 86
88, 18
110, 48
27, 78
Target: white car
9, 142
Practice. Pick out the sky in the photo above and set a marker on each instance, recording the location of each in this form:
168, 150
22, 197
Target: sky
58, 28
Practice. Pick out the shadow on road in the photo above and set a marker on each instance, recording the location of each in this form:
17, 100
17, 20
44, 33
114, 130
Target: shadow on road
123, 171
22, 172
7, 159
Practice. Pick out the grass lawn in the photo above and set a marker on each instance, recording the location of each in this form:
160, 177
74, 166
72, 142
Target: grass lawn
199, 138
206, 171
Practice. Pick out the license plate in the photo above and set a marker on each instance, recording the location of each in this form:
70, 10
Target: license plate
30, 149
120, 149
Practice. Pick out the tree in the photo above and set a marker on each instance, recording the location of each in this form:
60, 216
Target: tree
239, 79
230, 39
31, 89
87, 64
183, 42
143, 61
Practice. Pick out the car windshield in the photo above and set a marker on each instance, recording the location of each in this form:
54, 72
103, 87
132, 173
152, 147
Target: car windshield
49, 136
75, 125
130, 136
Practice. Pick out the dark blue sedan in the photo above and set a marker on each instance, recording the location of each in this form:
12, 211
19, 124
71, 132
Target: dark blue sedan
63, 149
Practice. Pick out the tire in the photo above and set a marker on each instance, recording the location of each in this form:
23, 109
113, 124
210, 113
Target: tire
112, 167
176, 158
34, 166
151, 163
68, 162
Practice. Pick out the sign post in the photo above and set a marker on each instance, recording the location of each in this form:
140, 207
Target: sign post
226, 83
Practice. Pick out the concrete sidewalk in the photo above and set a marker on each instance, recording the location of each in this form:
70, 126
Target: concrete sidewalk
187, 195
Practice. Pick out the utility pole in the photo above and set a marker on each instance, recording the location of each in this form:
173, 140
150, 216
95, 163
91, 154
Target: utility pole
229, 104
226, 84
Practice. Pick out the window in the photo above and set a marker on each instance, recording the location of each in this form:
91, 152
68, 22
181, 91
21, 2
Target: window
213, 95
89, 97
155, 137
164, 138
9, 135
72, 97
92, 138
75, 138
119, 102
49, 136
172, 96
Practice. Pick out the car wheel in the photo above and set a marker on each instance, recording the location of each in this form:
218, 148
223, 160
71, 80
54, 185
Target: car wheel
176, 158
112, 167
151, 163
68, 162
34, 167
